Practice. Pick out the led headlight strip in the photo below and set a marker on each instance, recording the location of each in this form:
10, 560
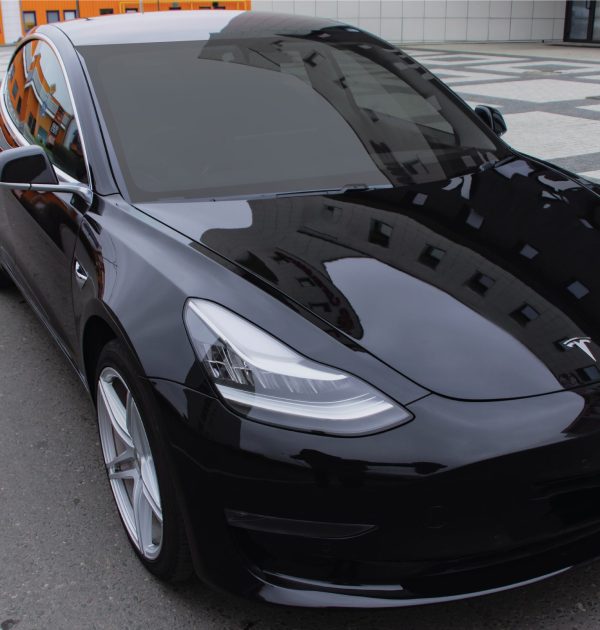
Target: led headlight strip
265, 380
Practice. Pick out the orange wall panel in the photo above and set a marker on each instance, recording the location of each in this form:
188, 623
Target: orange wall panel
91, 8
40, 7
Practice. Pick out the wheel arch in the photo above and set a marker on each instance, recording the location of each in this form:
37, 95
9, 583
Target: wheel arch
98, 329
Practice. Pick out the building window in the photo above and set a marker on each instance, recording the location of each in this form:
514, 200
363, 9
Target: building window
131, 10
52, 16
15, 89
31, 123
475, 220
582, 23
577, 289
19, 105
70, 15
588, 374
525, 314
431, 256
380, 233
106, 11
528, 251
29, 20
480, 283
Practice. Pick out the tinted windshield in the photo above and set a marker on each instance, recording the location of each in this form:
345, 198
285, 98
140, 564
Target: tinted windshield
273, 114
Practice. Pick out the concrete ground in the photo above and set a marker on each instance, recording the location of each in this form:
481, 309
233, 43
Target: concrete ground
549, 95
64, 559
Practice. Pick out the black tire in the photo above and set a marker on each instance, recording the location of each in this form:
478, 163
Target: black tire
173, 563
5, 280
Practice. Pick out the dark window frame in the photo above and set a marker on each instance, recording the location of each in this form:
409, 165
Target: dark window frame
31, 123
594, 11
55, 12
25, 22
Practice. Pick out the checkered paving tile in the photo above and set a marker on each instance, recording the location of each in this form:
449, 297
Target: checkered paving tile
551, 105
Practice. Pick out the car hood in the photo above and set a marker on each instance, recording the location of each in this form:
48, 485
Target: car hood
467, 286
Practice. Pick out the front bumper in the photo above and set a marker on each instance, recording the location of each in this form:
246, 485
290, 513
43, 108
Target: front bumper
467, 499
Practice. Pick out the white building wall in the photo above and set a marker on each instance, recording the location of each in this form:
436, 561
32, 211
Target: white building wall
438, 20
11, 21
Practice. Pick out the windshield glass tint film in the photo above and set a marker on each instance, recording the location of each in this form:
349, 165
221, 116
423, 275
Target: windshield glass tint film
274, 114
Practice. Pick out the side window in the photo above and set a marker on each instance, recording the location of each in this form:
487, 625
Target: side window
40, 107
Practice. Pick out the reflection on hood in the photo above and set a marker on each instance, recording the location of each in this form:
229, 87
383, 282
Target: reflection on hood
467, 286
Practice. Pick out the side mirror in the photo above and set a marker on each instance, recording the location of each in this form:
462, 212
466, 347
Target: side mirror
28, 168
493, 118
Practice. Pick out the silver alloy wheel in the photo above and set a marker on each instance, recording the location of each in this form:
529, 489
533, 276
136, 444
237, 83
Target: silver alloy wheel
129, 463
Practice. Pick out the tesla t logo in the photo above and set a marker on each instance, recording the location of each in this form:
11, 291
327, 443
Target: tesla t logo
581, 343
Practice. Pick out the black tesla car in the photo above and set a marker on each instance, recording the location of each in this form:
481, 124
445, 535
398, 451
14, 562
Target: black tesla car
342, 340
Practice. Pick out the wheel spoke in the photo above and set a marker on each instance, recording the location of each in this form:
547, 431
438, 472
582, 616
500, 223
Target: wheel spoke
123, 466
154, 505
130, 409
147, 469
126, 457
142, 512
136, 428
115, 411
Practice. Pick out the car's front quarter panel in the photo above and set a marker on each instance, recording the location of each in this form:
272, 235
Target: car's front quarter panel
144, 273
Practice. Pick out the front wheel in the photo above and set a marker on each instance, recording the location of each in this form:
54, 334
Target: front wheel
137, 467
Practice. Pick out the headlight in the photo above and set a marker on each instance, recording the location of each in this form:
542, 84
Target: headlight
263, 379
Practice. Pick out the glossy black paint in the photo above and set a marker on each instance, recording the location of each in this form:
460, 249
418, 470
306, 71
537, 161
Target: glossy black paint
493, 118
433, 279
30, 165
496, 482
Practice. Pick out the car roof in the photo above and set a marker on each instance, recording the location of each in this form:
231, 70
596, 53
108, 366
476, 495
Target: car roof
169, 26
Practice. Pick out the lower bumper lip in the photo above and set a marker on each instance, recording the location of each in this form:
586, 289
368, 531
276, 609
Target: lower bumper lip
281, 589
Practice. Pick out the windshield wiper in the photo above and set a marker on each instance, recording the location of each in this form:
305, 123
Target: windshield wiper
295, 193
335, 191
